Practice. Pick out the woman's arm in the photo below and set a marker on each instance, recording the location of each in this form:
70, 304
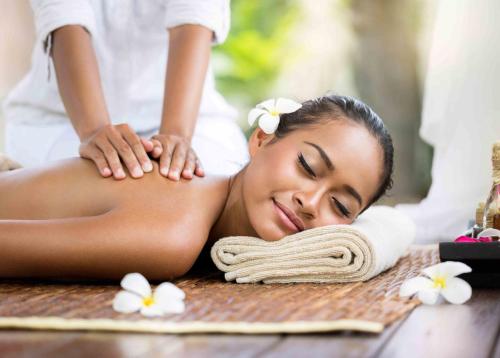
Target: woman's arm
80, 89
79, 80
188, 57
104, 246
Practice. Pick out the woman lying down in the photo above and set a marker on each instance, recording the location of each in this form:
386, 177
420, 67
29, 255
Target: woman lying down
324, 164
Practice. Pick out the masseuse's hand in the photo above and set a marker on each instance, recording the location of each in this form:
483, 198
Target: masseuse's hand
110, 143
178, 158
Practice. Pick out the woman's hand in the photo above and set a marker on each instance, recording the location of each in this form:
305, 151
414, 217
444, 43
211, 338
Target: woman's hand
177, 157
110, 143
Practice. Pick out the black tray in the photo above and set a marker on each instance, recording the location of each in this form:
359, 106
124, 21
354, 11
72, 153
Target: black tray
482, 257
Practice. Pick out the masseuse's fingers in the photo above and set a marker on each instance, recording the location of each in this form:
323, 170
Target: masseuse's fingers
177, 157
165, 159
125, 152
178, 161
138, 149
118, 142
190, 165
93, 153
199, 171
112, 157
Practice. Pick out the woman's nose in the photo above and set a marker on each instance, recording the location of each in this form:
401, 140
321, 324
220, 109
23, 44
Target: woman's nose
308, 203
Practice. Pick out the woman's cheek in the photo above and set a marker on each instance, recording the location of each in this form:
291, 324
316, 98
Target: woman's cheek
286, 174
333, 218
267, 175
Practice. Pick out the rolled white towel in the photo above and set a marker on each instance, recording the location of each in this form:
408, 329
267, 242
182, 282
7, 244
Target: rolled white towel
336, 253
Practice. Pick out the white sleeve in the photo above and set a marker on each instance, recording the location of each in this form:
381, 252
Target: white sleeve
52, 14
213, 14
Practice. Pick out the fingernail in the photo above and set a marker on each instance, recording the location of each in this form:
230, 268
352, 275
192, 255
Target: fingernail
137, 172
164, 171
120, 173
147, 167
187, 173
174, 174
106, 171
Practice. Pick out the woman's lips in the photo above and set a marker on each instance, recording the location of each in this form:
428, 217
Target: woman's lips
288, 218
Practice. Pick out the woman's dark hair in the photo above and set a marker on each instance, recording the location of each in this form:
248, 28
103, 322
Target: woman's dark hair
332, 107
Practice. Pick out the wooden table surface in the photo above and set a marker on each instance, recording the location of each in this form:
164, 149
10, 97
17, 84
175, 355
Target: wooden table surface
468, 330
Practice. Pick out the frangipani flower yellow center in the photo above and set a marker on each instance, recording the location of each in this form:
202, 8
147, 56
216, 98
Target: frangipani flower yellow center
148, 301
268, 113
440, 280
138, 296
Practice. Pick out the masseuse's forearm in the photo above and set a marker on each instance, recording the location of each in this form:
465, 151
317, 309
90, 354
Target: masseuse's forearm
78, 79
87, 247
188, 57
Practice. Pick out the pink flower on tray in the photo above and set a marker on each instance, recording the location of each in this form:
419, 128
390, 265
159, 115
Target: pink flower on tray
471, 239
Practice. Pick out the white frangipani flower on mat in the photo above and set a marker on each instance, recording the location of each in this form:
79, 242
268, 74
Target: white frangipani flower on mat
268, 113
442, 281
137, 296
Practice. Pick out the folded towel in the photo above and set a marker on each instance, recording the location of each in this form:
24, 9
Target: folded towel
336, 253
7, 164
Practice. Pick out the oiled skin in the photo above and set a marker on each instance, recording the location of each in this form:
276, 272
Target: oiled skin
65, 220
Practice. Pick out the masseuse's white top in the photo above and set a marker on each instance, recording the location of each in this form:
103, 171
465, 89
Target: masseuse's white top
130, 39
460, 116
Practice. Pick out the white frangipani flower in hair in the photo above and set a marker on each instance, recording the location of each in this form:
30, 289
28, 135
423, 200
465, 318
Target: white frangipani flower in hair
442, 281
268, 113
137, 296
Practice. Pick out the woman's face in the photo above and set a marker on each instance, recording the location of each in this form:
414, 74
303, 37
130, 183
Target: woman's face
316, 176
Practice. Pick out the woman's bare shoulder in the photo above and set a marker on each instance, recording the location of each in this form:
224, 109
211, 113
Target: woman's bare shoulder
66, 188
184, 200
74, 187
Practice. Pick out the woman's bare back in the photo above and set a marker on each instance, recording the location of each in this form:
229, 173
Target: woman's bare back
180, 213
74, 188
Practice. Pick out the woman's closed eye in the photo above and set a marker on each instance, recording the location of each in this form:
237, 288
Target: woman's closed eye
306, 166
342, 208
303, 163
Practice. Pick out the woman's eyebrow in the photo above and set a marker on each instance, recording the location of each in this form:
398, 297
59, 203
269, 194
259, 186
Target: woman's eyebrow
354, 194
349, 189
323, 155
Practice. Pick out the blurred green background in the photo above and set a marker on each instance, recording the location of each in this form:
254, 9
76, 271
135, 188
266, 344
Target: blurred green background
248, 63
372, 49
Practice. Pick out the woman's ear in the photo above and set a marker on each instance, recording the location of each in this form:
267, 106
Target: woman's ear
257, 140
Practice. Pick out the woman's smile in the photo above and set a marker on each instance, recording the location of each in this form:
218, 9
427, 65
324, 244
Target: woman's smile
287, 217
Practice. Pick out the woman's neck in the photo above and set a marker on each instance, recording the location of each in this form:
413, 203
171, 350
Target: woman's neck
233, 220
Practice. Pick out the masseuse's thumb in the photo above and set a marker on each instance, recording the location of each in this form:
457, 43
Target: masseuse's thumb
147, 144
157, 148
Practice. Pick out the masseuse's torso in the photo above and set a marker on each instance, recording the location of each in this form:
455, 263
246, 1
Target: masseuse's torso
130, 40
74, 188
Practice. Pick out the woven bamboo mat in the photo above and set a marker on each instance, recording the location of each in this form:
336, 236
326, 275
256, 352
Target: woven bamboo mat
213, 305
